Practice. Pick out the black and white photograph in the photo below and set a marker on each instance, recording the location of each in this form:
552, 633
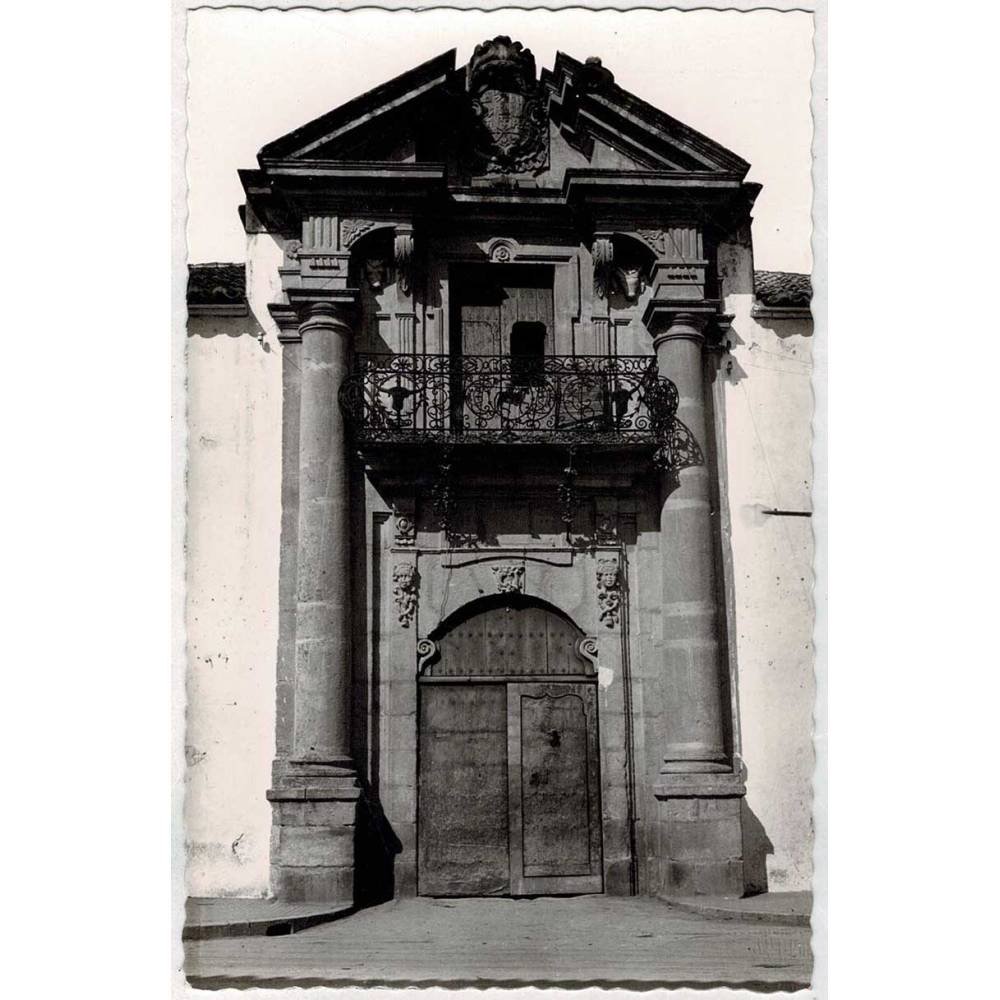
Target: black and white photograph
498, 554
499, 500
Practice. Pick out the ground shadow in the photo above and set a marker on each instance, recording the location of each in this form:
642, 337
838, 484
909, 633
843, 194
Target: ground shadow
375, 848
756, 847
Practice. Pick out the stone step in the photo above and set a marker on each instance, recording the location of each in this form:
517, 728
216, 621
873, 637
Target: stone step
207, 918
792, 909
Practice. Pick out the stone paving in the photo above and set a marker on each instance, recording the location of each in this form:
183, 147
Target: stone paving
587, 940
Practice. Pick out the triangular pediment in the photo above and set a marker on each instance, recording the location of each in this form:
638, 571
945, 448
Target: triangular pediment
496, 117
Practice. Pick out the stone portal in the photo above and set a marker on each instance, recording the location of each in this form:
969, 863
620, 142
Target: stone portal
509, 772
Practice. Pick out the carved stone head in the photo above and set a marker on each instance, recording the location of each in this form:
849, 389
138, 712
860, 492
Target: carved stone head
631, 280
376, 273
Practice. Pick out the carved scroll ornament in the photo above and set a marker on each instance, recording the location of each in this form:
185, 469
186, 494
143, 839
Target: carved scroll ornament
427, 652
603, 252
403, 254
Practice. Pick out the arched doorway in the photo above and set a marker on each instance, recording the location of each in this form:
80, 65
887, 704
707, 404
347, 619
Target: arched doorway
508, 798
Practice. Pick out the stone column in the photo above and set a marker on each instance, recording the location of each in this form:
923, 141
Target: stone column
699, 833
323, 625
690, 611
316, 788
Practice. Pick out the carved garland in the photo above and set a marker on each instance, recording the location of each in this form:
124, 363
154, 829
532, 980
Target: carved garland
510, 579
405, 582
609, 600
442, 496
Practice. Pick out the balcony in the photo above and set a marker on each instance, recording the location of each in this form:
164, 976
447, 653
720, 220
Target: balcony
571, 400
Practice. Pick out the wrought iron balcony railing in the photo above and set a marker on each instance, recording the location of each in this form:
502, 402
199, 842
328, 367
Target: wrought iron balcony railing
555, 399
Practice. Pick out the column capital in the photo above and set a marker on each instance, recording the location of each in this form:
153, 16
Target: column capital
327, 314
682, 324
662, 314
306, 309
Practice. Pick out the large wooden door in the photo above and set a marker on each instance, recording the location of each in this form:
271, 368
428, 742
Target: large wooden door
508, 798
509, 790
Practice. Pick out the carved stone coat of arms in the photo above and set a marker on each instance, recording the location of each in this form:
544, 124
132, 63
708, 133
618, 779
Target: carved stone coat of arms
508, 103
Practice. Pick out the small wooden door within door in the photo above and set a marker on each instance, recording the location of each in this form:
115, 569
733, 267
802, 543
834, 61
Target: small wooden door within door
553, 789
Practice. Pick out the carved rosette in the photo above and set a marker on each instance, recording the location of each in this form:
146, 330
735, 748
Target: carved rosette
502, 252
609, 599
405, 583
404, 525
351, 230
509, 579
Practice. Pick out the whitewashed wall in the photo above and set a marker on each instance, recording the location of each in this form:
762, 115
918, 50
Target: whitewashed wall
233, 526
769, 403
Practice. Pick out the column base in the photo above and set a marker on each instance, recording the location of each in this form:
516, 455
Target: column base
699, 839
313, 840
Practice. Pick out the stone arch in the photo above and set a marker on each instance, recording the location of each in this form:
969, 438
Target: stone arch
632, 267
375, 245
511, 634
